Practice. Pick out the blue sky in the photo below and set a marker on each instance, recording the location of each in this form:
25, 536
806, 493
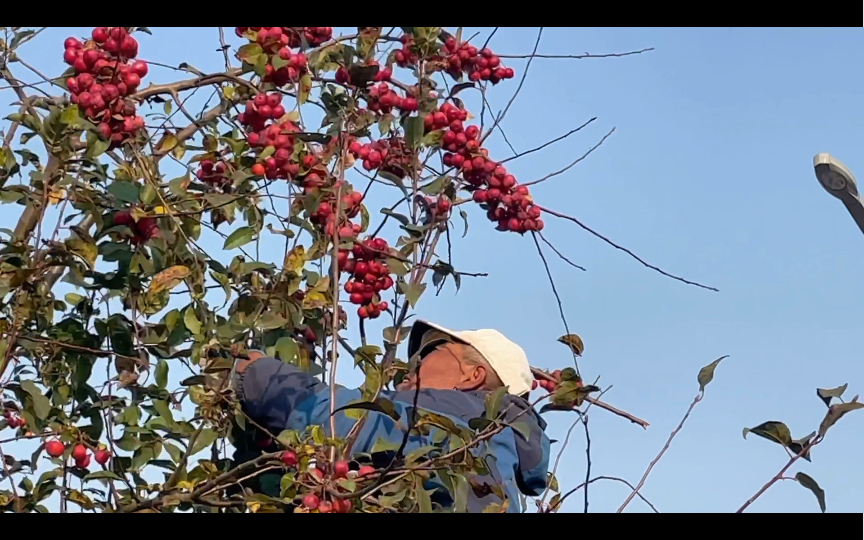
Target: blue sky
709, 175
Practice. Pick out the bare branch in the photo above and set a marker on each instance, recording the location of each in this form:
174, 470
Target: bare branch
568, 167
660, 455
576, 56
627, 251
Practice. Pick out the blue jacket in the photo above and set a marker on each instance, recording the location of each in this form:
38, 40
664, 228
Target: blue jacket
279, 396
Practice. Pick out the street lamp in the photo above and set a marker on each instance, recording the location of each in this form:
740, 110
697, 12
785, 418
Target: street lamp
839, 182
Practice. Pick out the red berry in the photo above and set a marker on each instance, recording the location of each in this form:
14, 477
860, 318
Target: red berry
363, 313
340, 469
258, 169
100, 35
311, 501
83, 463
366, 470
343, 506
289, 458
534, 384
71, 43
102, 457
54, 448
325, 507
140, 68
79, 452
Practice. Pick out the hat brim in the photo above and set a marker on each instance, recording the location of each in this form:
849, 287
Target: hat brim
420, 328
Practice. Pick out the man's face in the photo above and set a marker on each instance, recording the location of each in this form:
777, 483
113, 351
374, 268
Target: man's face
443, 369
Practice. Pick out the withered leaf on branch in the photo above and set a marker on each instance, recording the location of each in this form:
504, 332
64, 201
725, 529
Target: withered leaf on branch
574, 342
706, 374
776, 432
826, 394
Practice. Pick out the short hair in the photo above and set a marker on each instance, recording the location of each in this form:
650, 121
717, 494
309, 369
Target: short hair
472, 357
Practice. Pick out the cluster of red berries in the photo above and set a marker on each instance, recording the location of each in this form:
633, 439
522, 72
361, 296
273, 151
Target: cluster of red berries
389, 155
370, 275
495, 189
104, 76
143, 230
406, 56
384, 74
13, 420
482, 65
80, 454
279, 40
446, 116
286, 36
262, 118
325, 215
215, 174
341, 469
383, 99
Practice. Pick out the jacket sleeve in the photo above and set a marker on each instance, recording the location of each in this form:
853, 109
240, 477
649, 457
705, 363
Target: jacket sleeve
279, 396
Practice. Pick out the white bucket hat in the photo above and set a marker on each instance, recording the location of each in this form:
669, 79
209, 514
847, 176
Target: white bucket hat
505, 357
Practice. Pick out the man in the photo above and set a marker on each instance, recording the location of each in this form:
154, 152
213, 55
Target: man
457, 370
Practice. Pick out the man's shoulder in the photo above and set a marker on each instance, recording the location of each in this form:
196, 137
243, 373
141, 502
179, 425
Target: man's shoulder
453, 403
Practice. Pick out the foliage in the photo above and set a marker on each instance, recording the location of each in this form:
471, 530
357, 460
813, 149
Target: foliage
289, 146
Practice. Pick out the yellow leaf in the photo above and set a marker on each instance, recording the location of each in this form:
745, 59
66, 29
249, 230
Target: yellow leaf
229, 92
254, 506
167, 144
159, 210
314, 300
80, 499
56, 195
295, 260
574, 342
168, 279
305, 89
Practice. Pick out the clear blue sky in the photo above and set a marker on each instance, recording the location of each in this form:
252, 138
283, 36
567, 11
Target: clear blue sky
709, 176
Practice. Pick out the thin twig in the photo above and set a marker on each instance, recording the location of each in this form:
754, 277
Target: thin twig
598, 478
779, 476
549, 143
627, 251
561, 255
660, 455
576, 56
568, 167
501, 116
557, 296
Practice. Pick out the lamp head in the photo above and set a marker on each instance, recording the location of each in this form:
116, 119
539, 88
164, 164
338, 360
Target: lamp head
834, 176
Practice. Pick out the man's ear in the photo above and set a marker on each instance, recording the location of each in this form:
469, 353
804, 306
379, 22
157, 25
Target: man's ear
474, 379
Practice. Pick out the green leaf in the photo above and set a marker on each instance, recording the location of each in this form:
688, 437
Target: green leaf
204, 440
163, 410
479, 424
175, 453
70, 115
493, 402
383, 445
412, 292
240, 237
522, 429
809, 483
124, 191
191, 321
288, 350
141, 457
162, 374
381, 405
706, 374
103, 475
835, 413
41, 404
401, 218
776, 432
419, 453
424, 500
414, 129
826, 395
